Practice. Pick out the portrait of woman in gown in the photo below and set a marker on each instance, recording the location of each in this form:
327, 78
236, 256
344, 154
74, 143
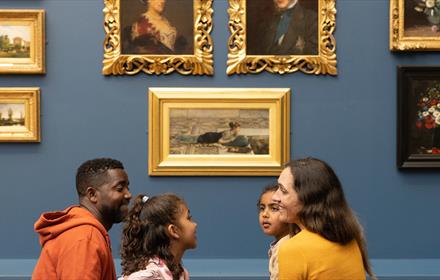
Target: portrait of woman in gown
155, 32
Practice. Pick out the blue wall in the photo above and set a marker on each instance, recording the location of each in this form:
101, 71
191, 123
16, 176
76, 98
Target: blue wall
348, 120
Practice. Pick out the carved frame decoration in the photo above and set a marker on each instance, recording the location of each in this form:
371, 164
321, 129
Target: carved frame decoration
30, 130
163, 162
35, 64
398, 40
241, 63
200, 63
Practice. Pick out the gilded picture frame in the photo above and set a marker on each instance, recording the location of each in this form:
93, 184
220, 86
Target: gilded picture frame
320, 60
134, 42
414, 25
19, 114
22, 41
218, 131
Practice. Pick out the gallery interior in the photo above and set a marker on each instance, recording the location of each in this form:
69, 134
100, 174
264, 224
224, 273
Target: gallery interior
353, 104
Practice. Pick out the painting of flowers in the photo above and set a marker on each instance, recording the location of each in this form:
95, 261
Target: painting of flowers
418, 116
422, 18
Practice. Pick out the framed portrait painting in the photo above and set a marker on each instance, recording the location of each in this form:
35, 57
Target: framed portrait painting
418, 124
414, 25
282, 36
158, 37
22, 42
218, 131
19, 115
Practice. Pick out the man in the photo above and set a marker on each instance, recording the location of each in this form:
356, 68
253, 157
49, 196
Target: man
75, 242
291, 30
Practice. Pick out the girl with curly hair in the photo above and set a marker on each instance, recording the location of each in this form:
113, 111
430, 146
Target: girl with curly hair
155, 236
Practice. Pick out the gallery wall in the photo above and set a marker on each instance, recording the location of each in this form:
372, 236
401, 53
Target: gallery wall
348, 120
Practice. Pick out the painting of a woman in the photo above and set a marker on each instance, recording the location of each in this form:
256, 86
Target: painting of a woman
154, 33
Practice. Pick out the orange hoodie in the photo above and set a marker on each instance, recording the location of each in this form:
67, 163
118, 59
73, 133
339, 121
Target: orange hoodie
76, 246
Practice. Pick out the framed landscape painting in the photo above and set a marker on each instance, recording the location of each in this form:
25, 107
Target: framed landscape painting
414, 25
158, 37
282, 36
19, 115
22, 42
418, 124
218, 131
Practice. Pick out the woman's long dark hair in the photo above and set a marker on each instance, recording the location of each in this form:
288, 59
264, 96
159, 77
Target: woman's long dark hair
144, 235
324, 208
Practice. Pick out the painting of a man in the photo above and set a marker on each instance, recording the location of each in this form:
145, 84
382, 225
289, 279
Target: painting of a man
157, 27
282, 27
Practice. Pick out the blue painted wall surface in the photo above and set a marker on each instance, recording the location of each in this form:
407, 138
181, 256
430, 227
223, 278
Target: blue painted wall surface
348, 120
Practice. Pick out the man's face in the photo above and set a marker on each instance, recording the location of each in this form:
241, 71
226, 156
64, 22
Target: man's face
113, 196
282, 4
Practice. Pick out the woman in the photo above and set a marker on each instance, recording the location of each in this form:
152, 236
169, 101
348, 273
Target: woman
330, 244
230, 138
153, 34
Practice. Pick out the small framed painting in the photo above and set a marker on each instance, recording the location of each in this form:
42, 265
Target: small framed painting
19, 115
282, 36
158, 37
22, 42
418, 124
415, 25
218, 131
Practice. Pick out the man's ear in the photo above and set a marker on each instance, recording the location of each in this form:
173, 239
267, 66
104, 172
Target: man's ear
91, 194
173, 231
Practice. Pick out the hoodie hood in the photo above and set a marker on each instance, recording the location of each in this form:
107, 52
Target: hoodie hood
52, 224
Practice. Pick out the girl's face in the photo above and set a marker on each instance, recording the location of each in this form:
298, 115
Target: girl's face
187, 228
269, 217
156, 5
287, 198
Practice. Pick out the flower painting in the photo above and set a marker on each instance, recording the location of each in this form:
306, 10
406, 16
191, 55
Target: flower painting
422, 18
418, 116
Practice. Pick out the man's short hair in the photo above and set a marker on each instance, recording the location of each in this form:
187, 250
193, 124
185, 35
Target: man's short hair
91, 172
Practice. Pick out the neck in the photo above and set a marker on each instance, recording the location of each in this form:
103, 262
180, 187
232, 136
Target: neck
290, 6
153, 13
92, 209
177, 252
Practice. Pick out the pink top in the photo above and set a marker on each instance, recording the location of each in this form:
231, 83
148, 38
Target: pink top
156, 269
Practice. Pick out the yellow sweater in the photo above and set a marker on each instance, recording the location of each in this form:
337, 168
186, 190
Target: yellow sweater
309, 256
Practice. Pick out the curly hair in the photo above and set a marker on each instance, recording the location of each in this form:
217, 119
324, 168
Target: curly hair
144, 234
91, 172
325, 210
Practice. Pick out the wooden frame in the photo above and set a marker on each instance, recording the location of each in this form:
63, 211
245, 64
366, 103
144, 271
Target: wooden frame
24, 53
180, 117
418, 126
19, 114
120, 60
410, 27
321, 62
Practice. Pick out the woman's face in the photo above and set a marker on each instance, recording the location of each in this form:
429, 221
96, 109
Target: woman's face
287, 198
156, 5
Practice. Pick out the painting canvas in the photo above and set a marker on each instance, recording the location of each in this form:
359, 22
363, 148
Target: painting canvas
219, 131
422, 18
15, 41
158, 37
418, 116
282, 27
157, 26
12, 116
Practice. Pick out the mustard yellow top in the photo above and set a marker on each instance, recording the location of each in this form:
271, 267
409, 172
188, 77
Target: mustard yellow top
309, 256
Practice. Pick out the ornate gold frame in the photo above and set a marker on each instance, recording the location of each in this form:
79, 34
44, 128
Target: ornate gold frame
162, 163
30, 97
36, 63
398, 42
200, 63
241, 63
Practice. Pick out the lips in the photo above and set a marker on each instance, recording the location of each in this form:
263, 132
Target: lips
266, 225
